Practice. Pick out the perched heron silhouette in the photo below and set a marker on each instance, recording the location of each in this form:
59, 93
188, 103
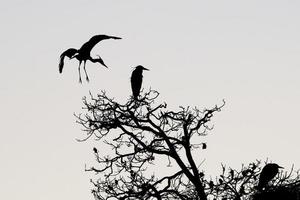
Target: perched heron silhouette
269, 171
136, 80
83, 54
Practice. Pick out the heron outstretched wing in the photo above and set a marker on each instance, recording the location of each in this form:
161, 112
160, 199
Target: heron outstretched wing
69, 53
87, 47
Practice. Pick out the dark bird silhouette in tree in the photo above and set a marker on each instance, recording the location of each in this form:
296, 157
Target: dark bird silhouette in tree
83, 54
136, 80
268, 172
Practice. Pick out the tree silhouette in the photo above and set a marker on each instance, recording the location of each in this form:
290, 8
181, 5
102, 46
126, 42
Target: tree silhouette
141, 134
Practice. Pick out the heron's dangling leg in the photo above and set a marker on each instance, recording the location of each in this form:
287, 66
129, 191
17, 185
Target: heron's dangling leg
86, 75
79, 72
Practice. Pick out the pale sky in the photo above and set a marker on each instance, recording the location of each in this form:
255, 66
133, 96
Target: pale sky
199, 52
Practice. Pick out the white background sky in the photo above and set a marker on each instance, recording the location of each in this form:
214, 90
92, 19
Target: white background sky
199, 52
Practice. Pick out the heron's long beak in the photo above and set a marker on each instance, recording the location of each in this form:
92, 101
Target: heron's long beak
101, 61
145, 69
280, 167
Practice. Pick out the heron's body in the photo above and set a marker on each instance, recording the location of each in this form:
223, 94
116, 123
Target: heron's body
136, 81
269, 171
84, 53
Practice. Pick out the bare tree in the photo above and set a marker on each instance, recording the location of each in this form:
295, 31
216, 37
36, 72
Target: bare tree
141, 133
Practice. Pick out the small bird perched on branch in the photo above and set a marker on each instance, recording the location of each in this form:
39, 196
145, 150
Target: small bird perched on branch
136, 80
269, 171
83, 54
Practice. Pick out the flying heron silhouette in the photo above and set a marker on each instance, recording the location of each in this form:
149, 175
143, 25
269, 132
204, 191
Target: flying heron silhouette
84, 53
136, 80
268, 172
